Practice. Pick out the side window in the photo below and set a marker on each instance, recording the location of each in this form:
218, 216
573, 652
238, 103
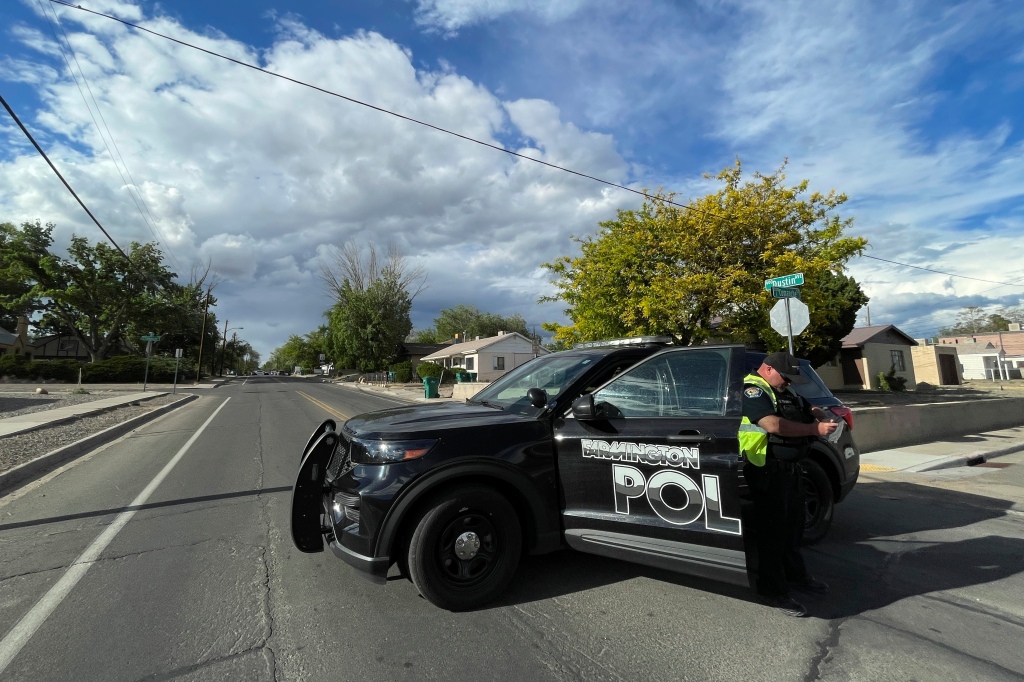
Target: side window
691, 382
499, 362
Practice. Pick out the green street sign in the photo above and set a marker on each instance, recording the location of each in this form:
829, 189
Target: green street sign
794, 280
785, 292
151, 337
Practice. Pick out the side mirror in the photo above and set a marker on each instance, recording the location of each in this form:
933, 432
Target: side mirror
585, 409
537, 397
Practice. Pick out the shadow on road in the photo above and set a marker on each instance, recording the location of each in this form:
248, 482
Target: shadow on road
881, 549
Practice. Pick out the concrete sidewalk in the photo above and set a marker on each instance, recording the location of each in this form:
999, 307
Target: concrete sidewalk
943, 454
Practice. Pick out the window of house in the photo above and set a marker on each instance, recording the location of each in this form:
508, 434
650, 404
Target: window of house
499, 362
470, 363
897, 360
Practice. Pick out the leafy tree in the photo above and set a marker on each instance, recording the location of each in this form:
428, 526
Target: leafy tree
974, 320
698, 273
96, 294
468, 322
18, 249
370, 317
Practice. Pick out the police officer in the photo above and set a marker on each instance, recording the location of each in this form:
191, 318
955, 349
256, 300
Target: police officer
774, 435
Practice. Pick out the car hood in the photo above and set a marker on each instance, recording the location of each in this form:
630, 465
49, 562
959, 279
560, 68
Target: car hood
419, 420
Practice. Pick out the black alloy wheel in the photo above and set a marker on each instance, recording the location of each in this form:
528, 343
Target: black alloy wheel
465, 548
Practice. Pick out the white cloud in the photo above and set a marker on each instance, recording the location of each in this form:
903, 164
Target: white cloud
451, 15
256, 175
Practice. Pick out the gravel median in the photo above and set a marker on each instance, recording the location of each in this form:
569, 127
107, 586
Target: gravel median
24, 447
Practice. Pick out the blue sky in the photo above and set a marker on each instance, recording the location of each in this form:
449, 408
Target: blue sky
911, 108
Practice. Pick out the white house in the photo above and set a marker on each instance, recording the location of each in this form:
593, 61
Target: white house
489, 357
982, 360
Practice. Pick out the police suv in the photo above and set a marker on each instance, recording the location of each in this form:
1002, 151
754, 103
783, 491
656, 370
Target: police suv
626, 449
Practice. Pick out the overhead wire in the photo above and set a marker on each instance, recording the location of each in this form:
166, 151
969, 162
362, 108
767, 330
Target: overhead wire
438, 128
132, 185
81, 203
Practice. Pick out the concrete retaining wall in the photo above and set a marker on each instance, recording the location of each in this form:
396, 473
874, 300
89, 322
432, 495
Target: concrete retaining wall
467, 390
881, 428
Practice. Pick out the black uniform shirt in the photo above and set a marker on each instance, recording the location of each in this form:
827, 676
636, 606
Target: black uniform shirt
757, 404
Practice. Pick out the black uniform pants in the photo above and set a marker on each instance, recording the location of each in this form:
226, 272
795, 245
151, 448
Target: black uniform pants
778, 525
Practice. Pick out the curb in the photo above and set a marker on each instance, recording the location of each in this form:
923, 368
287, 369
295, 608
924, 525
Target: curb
73, 417
970, 459
43, 464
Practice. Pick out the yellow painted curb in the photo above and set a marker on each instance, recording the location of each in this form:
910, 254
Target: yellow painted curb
875, 468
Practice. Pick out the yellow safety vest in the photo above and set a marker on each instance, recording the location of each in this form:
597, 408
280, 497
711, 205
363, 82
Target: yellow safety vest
754, 439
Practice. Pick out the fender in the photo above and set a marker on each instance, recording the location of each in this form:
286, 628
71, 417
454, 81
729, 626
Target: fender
545, 513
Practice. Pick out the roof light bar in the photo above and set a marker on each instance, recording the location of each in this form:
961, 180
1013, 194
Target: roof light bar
629, 341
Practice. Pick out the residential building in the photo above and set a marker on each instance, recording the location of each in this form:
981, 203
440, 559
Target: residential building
867, 352
489, 357
16, 342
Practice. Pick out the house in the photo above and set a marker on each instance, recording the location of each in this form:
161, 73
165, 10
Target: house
59, 347
985, 360
867, 352
415, 352
936, 364
990, 355
489, 357
16, 342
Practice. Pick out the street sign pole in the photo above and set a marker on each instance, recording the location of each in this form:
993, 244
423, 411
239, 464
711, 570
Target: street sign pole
177, 359
149, 351
789, 326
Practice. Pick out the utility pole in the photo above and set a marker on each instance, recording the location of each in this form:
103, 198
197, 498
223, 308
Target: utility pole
202, 335
224, 348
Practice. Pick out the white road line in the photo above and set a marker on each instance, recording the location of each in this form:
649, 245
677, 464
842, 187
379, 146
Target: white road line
19, 636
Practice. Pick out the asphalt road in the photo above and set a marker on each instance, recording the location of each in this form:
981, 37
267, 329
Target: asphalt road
122, 567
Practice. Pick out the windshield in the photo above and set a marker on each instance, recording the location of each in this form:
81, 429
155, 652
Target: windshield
552, 373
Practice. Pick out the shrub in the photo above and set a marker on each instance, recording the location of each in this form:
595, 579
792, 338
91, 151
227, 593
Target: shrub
431, 369
890, 382
403, 371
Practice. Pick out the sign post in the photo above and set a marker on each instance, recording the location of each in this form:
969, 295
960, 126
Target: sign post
177, 359
149, 339
790, 315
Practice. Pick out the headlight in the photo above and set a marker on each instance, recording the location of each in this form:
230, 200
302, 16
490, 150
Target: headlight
386, 451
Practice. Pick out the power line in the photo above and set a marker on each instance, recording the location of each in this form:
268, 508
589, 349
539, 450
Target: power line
383, 110
133, 184
57, 172
146, 276
940, 272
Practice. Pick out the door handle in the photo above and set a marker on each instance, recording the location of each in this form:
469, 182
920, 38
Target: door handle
692, 437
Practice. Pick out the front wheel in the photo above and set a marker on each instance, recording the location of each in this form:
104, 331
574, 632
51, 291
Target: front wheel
819, 502
465, 548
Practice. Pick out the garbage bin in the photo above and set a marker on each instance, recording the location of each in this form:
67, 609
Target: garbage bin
391, 377
472, 376
430, 385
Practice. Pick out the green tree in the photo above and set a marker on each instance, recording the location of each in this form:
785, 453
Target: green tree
370, 317
468, 322
974, 320
96, 293
19, 249
698, 273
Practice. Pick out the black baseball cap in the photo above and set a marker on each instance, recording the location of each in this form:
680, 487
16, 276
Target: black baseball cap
786, 365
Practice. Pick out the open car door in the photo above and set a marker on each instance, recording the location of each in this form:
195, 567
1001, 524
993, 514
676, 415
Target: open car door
649, 464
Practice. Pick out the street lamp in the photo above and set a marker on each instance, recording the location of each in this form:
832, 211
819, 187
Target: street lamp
224, 347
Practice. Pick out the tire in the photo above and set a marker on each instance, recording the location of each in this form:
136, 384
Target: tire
459, 579
819, 501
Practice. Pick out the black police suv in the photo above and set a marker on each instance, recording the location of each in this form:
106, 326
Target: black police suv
624, 449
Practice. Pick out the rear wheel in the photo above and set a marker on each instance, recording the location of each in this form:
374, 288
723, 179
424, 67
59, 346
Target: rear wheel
465, 548
819, 502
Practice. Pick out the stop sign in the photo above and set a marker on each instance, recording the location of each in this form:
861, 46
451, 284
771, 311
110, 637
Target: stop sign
798, 315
